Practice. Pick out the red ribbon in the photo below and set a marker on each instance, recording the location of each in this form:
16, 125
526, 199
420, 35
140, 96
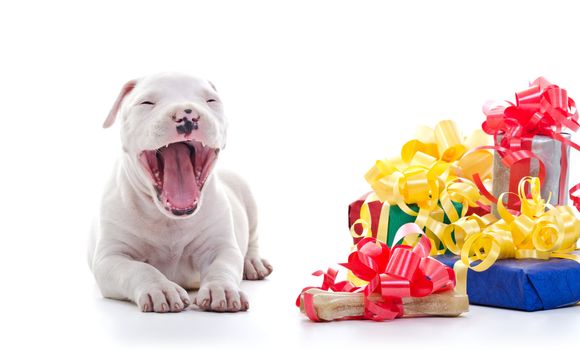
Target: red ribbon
575, 196
396, 273
542, 109
328, 283
513, 160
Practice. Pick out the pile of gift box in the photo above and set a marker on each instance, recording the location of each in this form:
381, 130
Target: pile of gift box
493, 209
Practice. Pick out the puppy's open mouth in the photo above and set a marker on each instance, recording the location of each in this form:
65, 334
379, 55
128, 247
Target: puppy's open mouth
178, 172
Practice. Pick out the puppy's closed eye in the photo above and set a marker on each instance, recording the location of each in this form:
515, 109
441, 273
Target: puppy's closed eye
211, 100
146, 103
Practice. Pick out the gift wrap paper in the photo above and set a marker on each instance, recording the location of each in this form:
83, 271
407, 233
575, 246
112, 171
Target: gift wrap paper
550, 152
523, 284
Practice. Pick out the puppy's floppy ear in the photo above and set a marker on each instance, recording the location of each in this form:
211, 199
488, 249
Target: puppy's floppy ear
127, 88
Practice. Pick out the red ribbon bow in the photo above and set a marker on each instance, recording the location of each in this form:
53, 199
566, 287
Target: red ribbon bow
402, 271
542, 109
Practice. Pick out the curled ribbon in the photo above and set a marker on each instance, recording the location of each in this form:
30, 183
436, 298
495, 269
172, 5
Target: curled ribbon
537, 230
435, 169
393, 273
542, 109
419, 174
531, 232
328, 283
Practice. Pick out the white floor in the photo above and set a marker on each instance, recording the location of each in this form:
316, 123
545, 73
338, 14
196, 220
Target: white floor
274, 321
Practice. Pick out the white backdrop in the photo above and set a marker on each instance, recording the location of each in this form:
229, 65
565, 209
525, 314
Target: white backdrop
315, 92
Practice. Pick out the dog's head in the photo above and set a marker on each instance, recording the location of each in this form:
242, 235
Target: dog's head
173, 128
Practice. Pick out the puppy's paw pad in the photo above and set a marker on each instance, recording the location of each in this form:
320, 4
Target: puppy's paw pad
256, 268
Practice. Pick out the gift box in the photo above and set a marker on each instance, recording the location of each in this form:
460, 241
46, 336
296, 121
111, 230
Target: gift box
396, 219
530, 139
523, 284
551, 153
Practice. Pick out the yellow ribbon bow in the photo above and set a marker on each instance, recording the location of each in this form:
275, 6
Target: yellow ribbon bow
434, 168
534, 233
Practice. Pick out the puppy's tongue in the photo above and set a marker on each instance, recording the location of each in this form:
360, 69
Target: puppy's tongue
179, 185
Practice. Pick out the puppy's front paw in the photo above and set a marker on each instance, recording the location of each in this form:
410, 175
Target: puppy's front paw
163, 296
221, 297
256, 268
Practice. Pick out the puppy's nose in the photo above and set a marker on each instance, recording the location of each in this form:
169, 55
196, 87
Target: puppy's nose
186, 120
186, 127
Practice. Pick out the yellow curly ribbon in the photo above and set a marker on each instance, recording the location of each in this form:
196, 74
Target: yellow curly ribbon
436, 169
534, 233
426, 164
449, 141
476, 161
430, 172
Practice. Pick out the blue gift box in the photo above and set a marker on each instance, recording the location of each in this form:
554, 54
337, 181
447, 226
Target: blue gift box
523, 284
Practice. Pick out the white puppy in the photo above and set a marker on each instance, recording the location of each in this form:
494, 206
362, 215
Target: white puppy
167, 221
